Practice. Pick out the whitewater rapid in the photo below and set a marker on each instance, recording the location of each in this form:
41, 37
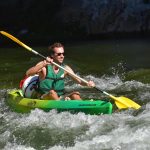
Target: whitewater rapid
123, 130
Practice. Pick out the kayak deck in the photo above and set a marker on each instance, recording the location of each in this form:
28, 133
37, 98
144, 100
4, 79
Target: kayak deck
20, 104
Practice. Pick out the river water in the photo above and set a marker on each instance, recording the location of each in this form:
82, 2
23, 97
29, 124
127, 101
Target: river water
120, 67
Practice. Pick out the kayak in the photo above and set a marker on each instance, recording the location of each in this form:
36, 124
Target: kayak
18, 103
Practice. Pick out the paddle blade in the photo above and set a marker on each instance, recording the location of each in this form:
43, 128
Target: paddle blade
15, 40
123, 102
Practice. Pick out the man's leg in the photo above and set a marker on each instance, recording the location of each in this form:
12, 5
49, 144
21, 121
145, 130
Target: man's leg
75, 96
51, 95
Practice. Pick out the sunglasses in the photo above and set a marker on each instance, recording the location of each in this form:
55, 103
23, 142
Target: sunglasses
59, 54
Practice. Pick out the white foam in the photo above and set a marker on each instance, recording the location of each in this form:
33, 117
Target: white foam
14, 146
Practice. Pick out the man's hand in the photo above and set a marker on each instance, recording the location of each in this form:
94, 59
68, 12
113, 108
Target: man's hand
91, 84
48, 61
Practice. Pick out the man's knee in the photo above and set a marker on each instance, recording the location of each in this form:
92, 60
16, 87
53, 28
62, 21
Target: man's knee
52, 93
75, 95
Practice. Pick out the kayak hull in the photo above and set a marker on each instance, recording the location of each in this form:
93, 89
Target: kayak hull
24, 105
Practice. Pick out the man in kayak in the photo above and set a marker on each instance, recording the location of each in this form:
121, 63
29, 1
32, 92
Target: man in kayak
51, 78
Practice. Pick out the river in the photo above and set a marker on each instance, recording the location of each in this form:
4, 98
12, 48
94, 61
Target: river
120, 67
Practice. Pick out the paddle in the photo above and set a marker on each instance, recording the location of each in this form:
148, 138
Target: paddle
121, 102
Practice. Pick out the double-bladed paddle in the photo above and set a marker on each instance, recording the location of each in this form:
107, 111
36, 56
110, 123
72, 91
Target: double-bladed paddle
121, 102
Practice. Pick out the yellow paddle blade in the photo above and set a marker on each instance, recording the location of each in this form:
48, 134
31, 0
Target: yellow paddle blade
123, 102
15, 40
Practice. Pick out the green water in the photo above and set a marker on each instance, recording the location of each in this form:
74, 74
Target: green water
128, 58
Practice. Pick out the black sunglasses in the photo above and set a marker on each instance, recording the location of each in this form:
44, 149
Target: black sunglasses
59, 54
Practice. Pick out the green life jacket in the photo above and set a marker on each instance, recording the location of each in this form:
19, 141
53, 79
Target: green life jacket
52, 81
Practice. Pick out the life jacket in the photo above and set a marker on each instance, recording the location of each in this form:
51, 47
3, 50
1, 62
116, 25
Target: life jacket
52, 81
29, 85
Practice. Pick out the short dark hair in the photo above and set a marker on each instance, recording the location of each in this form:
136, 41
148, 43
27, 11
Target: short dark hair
51, 47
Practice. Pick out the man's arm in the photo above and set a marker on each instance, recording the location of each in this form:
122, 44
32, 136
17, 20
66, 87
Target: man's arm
90, 83
35, 69
38, 67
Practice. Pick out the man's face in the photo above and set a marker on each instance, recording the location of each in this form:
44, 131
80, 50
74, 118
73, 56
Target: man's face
58, 55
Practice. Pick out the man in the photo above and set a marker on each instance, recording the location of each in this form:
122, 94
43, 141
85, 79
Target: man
51, 77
